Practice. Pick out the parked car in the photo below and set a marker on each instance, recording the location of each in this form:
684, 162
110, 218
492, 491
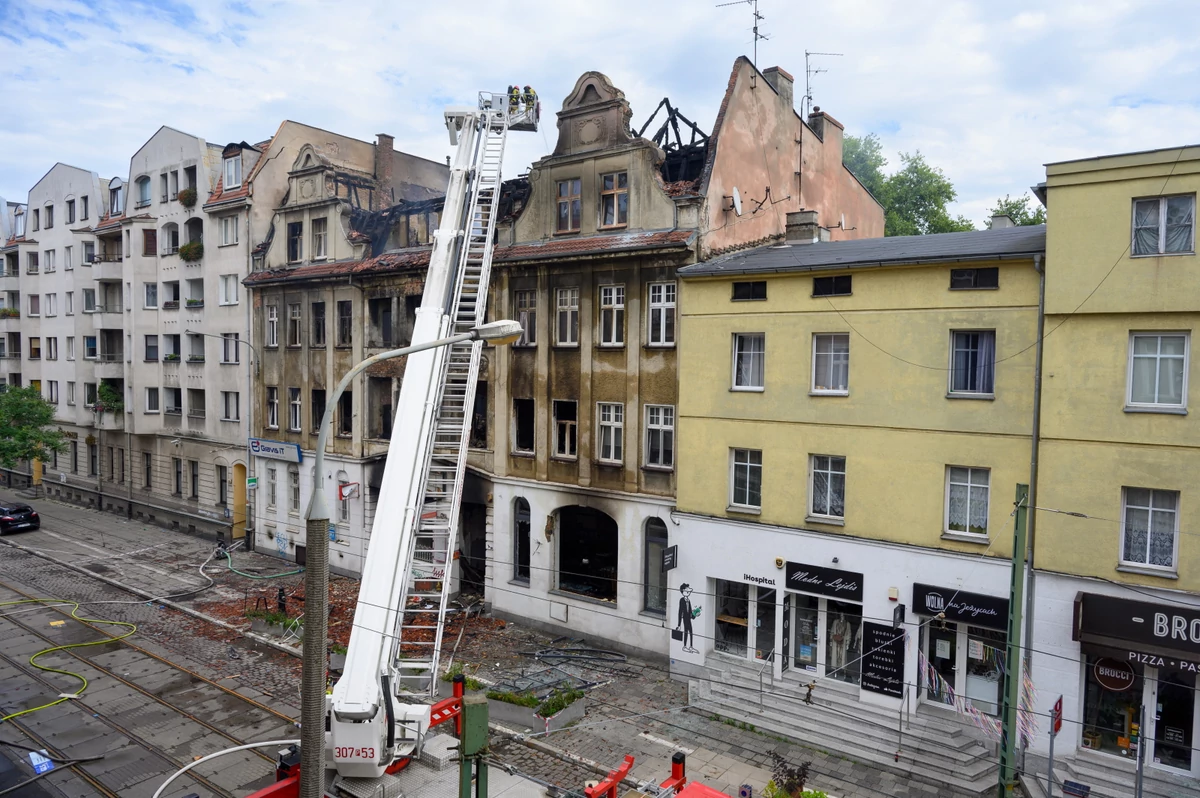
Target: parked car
17, 517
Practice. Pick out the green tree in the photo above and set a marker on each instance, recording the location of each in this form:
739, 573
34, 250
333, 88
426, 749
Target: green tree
864, 157
914, 198
1018, 210
25, 427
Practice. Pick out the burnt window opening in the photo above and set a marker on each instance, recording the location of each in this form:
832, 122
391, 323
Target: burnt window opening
744, 292
832, 286
521, 540
380, 398
318, 408
523, 421
295, 241
346, 414
345, 323
411, 303
566, 419
479, 419
587, 553
966, 279
382, 329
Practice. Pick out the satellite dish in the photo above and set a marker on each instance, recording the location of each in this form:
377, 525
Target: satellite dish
737, 201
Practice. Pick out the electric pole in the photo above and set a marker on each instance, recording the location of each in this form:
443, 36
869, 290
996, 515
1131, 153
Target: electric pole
1013, 672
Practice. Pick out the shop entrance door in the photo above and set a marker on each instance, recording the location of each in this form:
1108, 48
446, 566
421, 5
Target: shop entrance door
764, 631
942, 655
1174, 719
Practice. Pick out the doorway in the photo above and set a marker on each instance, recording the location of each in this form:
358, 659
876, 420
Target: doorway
239, 501
1174, 718
826, 637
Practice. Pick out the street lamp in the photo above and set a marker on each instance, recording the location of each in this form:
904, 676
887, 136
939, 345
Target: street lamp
316, 573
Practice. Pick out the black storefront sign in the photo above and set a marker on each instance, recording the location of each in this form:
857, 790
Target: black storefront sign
841, 585
959, 605
883, 659
1137, 623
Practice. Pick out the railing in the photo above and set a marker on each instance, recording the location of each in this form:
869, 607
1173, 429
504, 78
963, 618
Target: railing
9, 313
902, 721
195, 358
173, 411
196, 412
170, 304
171, 250
142, 204
112, 357
171, 357
107, 257
768, 660
195, 304
115, 308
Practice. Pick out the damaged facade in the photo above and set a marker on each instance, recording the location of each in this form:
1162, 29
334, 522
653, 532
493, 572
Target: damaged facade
580, 421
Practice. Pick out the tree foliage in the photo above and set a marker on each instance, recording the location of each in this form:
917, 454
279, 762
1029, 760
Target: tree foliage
26, 431
914, 198
1018, 210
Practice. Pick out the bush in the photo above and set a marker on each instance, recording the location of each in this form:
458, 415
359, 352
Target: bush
109, 399
337, 648
10, 313
788, 781
519, 699
771, 791
557, 701
468, 682
187, 198
192, 251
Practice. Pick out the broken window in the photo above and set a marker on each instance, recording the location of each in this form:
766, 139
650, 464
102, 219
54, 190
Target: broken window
614, 200
654, 579
479, 421
295, 241
612, 315
662, 314
526, 307
521, 540
566, 419
379, 396
318, 408
523, 422
346, 414
317, 318
587, 553
380, 310
345, 329
568, 317
569, 207
610, 432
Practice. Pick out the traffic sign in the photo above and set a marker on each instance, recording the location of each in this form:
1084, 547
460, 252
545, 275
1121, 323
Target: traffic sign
1056, 716
40, 762
251, 483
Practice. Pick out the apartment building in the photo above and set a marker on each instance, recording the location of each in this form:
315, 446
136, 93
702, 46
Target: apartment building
12, 232
569, 501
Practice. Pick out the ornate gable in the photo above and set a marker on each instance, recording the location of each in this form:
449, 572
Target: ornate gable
594, 116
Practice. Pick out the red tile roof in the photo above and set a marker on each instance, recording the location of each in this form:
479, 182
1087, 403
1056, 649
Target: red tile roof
682, 188
595, 245
14, 240
380, 264
219, 195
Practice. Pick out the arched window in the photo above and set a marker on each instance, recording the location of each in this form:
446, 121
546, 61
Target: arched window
521, 540
654, 579
143, 191
195, 229
170, 238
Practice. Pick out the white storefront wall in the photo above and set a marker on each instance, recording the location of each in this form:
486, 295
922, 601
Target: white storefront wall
623, 623
758, 555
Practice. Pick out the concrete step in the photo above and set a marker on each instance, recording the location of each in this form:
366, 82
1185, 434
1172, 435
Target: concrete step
1108, 776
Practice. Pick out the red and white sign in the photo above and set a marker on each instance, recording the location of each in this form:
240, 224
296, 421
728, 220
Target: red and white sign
1056, 716
348, 490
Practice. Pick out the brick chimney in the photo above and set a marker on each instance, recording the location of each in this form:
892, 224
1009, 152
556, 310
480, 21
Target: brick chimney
385, 163
783, 83
802, 228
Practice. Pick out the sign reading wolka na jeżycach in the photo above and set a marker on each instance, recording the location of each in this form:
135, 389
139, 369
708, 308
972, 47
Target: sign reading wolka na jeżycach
275, 450
961, 605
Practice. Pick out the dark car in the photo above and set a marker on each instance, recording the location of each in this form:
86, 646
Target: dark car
18, 518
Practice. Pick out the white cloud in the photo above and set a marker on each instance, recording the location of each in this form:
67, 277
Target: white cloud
989, 93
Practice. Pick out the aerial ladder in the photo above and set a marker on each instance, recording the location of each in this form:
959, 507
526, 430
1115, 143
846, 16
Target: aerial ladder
378, 712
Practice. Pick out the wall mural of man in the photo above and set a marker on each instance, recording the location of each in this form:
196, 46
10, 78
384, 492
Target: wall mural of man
683, 627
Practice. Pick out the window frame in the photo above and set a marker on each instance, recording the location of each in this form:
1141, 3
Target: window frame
1175, 534
149, 296
320, 238
660, 333
955, 394
295, 335
734, 464
570, 424
272, 420
236, 404
737, 337
1130, 404
572, 315
969, 484
230, 342
525, 311
271, 334
974, 272
339, 305
574, 204
295, 410
1162, 226
813, 389
812, 478
225, 296
152, 391
317, 337
232, 172
229, 230
516, 419
294, 242
660, 535
663, 429
832, 281
616, 427
612, 313
615, 193
752, 285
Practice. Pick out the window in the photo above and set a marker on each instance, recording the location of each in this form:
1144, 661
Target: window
152, 400
229, 230
230, 406
965, 279
293, 338
93, 460
346, 414
610, 432
70, 303
345, 330
89, 300
49, 218
662, 314
174, 399
151, 295
227, 289
68, 259
52, 391
170, 238
831, 286
523, 424
173, 184
294, 409
745, 488
70, 347
83, 208
151, 347
229, 348
115, 206
614, 200
178, 476
272, 485
568, 317
37, 215
35, 304
272, 325
317, 321
654, 579
163, 190
831, 363
70, 211
660, 436
828, 486
521, 540
272, 408
233, 172
526, 307
749, 356
147, 470
295, 241
70, 393
194, 469
48, 261
1150, 524
380, 312
973, 362
74, 457
90, 352
568, 206
967, 500
143, 192
744, 292
318, 408
293, 489
51, 304
319, 235
343, 479
197, 402
1163, 225
31, 263
612, 315
566, 418
1158, 370
149, 243
223, 486
35, 348
89, 393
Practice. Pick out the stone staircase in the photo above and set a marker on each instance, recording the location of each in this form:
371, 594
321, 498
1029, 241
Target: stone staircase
933, 747
1108, 776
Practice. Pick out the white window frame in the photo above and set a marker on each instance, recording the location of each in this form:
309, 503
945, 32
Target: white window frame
525, 307
663, 298
1125, 506
70, 303
233, 172
293, 489
52, 391
736, 462
971, 482
660, 422
229, 230
149, 295
295, 410
761, 352
227, 404
1187, 353
1162, 227
51, 305
70, 347
70, 392
566, 306
272, 325
272, 407
230, 345
562, 426
272, 486
295, 335
68, 260
152, 401
950, 377
228, 289
816, 341
812, 485
612, 427
612, 316
320, 235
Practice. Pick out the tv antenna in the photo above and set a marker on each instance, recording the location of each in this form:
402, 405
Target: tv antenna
809, 71
757, 18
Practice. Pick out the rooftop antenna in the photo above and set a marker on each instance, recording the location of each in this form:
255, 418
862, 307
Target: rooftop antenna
809, 71
757, 18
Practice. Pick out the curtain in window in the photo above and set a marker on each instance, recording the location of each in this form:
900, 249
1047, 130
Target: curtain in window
974, 362
1179, 224
1150, 527
750, 361
1145, 227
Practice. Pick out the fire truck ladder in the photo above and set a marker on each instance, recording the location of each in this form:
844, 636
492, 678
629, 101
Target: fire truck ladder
418, 644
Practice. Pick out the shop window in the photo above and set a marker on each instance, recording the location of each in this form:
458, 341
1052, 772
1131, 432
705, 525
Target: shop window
764, 623
1174, 716
843, 640
654, 597
985, 668
587, 553
805, 616
521, 540
1112, 702
733, 617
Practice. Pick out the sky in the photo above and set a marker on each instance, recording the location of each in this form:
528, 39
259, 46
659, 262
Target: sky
989, 92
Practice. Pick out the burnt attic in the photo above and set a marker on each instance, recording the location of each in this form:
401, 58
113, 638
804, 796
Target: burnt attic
683, 142
408, 223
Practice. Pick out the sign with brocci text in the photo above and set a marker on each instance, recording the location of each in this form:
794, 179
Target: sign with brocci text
1167, 626
275, 450
841, 585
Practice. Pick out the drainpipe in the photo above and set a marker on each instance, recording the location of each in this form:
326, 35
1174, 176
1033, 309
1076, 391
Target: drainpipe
1035, 444
250, 525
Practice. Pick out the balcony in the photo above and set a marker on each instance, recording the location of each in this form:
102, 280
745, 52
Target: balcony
195, 359
195, 304
108, 270
109, 316
170, 304
173, 411
110, 365
106, 257
10, 320
109, 419
171, 358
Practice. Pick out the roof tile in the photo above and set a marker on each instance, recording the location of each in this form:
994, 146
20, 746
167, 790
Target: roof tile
395, 260
568, 247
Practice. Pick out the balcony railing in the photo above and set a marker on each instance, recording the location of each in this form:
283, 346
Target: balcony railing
10, 313
170, 304
107, 257
112, 357
173, 411
142, 204
171, 250
195, 358
195, 412
195, 304
113, 308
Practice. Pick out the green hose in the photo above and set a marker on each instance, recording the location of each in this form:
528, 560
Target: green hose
229, 562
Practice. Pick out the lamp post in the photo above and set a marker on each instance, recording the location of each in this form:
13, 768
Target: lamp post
316, 573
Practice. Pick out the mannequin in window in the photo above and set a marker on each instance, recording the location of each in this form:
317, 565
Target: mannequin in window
844, 636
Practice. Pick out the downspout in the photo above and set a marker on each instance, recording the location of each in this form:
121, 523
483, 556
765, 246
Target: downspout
1034, 447
250, 525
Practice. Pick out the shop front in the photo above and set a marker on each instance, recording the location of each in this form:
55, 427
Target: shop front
823, 628
1140, 663
961, 647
